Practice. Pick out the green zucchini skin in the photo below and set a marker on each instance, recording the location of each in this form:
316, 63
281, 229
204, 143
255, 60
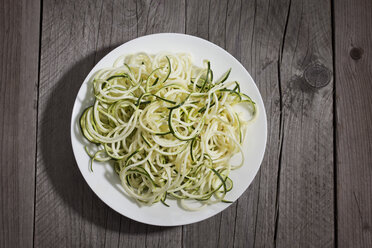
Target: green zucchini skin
159, 133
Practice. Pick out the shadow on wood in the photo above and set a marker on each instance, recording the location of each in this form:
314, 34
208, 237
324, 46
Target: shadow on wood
69, 188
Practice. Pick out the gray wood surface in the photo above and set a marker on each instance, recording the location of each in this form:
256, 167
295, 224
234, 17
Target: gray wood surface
74, 38
314, 185
353, 67
19, 56
306, 188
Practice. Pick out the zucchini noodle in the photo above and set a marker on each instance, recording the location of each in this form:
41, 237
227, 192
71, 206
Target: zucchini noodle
168, 126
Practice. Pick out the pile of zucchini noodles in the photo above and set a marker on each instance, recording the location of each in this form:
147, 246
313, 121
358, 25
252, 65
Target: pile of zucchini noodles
169, 127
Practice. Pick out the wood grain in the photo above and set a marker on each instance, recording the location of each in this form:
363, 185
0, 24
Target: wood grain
207, 20
260, 41
231, 24
68, 214
260, 35
353, 57
285, 46
305, 216
267, 40
19, 55
75, 36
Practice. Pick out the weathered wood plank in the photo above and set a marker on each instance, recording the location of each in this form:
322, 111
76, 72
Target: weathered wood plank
283, 45
305, 216
19, 56
353, 67
118, 24
67, 214
258, 42
75, 35
206, 19
262, 24
246, 29
155, 17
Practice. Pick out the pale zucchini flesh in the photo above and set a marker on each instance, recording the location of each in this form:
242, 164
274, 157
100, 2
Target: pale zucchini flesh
168, 127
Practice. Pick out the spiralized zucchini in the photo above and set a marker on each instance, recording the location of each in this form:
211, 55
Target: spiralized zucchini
168, 126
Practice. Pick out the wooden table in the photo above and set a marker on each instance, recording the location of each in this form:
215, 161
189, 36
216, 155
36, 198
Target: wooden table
311, 60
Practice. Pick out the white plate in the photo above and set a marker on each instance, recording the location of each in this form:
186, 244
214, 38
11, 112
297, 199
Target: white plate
104, 181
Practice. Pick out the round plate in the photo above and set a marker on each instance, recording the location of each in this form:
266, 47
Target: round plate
105, 182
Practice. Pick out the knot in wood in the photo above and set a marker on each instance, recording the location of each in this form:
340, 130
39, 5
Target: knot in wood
317, 75
356, 53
